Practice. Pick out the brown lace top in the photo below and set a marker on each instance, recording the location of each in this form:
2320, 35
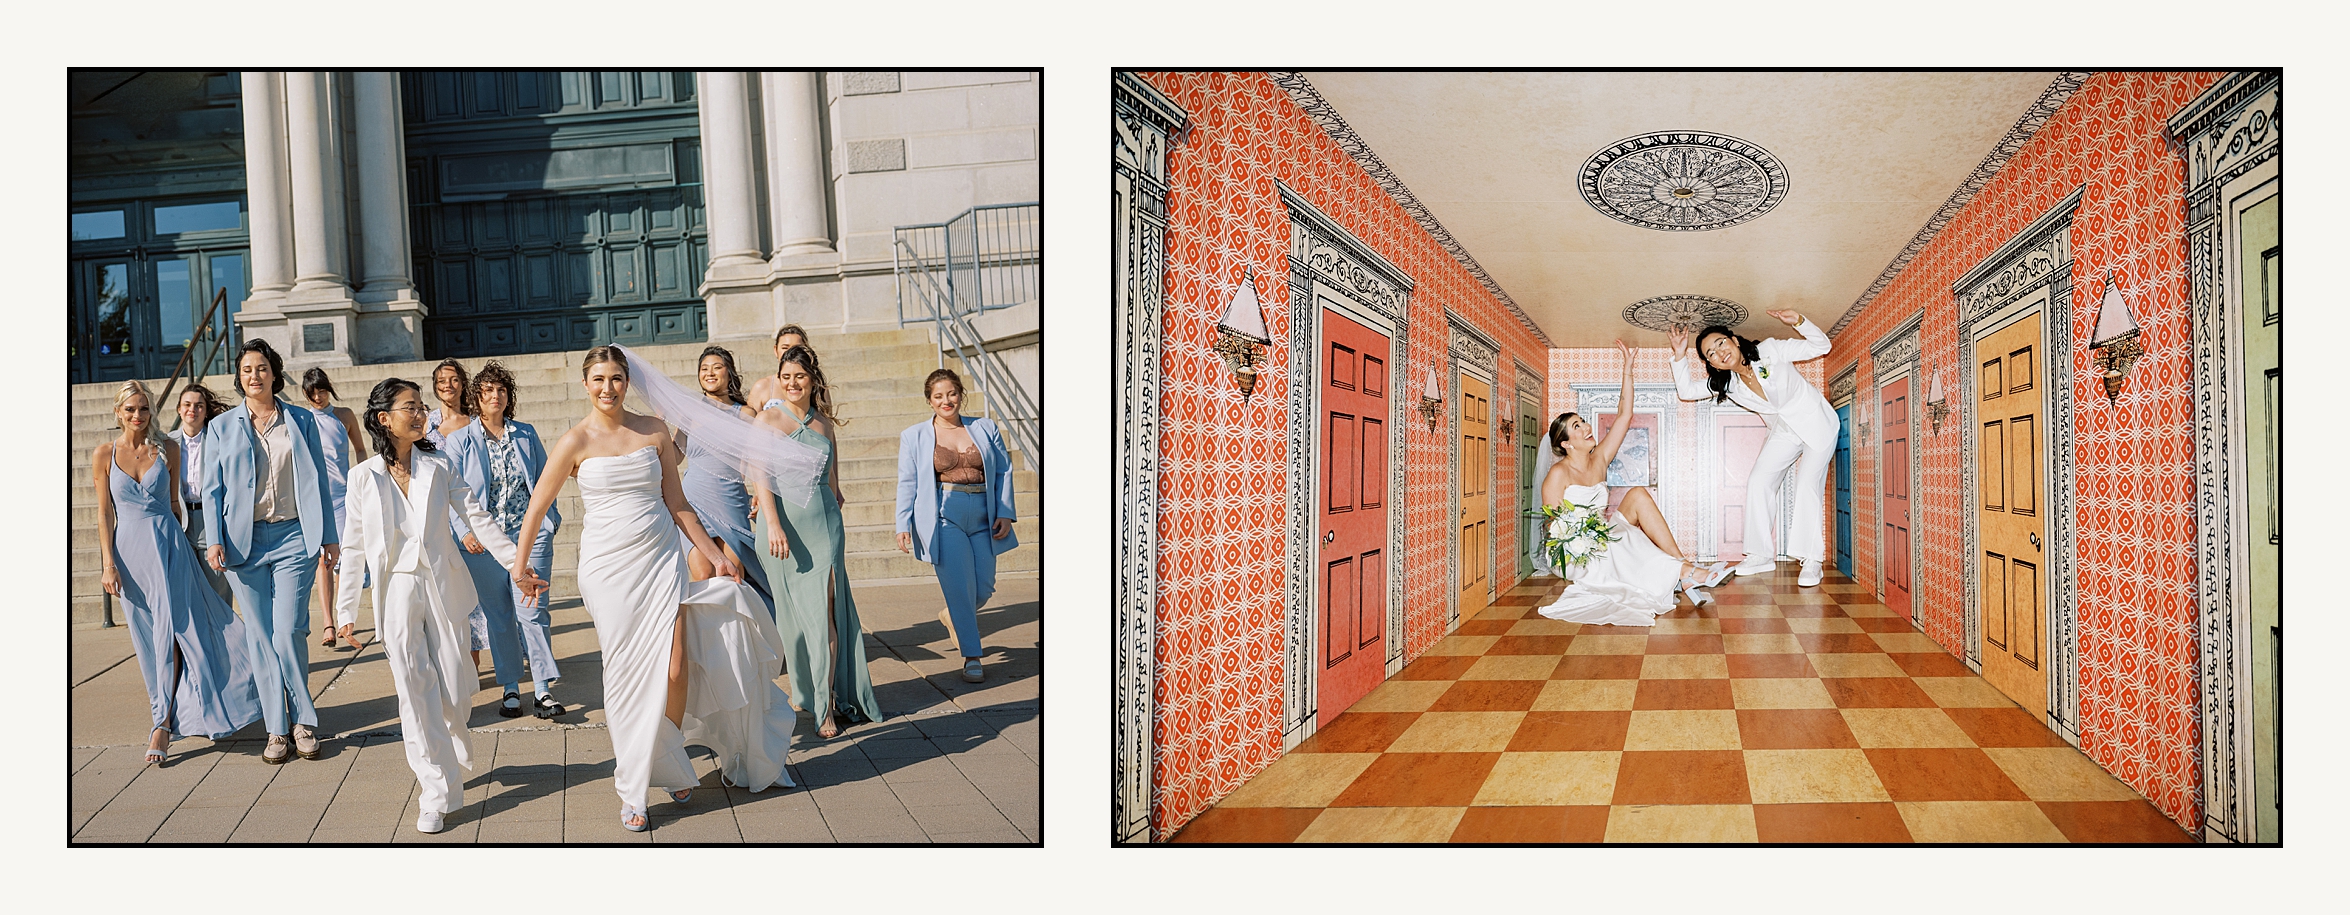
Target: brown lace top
957, 466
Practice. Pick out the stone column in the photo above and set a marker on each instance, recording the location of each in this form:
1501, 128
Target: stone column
318, 309
795, 168
265, 189
390, 315
727, 181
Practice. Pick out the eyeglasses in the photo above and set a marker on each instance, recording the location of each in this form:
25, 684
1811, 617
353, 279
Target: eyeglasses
416, 408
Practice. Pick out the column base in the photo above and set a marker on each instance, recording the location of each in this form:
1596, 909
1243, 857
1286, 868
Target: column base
313, 327
389, 327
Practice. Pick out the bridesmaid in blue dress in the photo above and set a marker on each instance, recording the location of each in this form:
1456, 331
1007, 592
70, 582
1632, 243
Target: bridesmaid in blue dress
339, 441
181, 632
804, 550
715, 491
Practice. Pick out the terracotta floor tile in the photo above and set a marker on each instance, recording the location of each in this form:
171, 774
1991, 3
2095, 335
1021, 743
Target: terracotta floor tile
1512, 667
1809, 611
1794, 729
1855, 665
1359, 731
1682, 729
1549, 646
1485, 627
1941, 775
1548, 825
1963, 692
1739, 598
1400, 695
1597, 667
1882, 624
1684, 667
1877, 692
1831, 585
1458, 732
1384, 824
2113, 822
1935, 663
1706, 823
1773, 643
1829, 823
1744, 611
1516, 600
1247, 824
1436, 668
1682, 777
1551, 779
1688, 626
1836, 642
1806, 597
1869, 608
1586, 695
1462, 645
2004, 727
1822, 624
1417, 780
1589, 643
1812, 777
1794, 692
1301, 780
1906, 642
1747, 666
1570, 731
1543, 625
1755, 626
1489, 696
1978, 821
1684, 644
2059, 774
1683, 694
1904, 727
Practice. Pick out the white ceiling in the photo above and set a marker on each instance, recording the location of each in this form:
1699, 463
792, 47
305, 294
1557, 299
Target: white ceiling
1495, 158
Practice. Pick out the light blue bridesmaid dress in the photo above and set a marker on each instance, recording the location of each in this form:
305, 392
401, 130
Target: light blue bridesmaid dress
190, 648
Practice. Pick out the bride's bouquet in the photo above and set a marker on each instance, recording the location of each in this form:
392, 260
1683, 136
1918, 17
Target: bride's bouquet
1576, 534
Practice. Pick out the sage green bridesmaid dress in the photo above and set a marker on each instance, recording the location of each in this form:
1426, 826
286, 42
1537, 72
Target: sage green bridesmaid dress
813, 575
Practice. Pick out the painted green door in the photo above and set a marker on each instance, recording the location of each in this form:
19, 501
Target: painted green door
1529, 438
2262, 264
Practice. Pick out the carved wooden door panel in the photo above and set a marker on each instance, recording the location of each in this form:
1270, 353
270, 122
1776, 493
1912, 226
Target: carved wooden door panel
1354, 514
1893, 482
1476, 554
2010, 453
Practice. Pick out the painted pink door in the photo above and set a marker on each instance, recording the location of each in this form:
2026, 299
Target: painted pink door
1741, 435
1893, 479
1354, 513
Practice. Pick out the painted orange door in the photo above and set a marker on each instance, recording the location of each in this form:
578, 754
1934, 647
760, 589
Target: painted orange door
1893, 481
1476, 507
2011, 508
1354, 514
1741, 437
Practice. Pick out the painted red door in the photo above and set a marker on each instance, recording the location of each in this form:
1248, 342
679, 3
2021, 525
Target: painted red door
1893, 480
1354, 513
1741, 435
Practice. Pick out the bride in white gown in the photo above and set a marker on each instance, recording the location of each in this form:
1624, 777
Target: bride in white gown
1634, 580
684, 662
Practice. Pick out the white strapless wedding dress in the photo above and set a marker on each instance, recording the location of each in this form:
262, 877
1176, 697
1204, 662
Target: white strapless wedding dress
1631, 584
632, 576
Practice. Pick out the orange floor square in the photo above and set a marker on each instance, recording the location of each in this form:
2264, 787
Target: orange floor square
1754, 625
1531, 644
1359, 732
1489, 696
1598, 667
1682, 777
1553, 732
1794, 729
2113, 822
2004, 727
1248, 824
1565, 825
1876, 692
1682, 694
1419, 780
1829, 823
1934, 664
1942, 775
1769, 666
1684, 644
1442, 667
1836, 642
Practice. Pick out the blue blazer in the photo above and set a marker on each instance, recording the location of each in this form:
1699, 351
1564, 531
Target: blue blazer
469, 448
232, 470
918, 481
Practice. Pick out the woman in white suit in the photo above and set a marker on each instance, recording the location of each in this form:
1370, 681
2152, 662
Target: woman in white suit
395, 506
955, 506
1761, 377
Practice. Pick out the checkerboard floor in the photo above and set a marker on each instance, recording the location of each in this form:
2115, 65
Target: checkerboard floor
1776, 714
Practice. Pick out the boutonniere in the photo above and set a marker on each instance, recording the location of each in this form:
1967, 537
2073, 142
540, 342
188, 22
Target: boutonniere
1764, 371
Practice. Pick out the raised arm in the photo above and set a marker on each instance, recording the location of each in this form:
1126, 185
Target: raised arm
1813, 343
1615, 433
1688, 382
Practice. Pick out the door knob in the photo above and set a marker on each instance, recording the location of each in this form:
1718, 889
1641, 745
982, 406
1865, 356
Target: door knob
1329, 536
2035, 541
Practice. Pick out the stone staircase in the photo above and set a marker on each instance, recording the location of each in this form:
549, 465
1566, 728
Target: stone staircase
875, 376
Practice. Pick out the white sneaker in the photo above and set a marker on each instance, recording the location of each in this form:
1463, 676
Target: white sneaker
429, 822
1753, 566
1811, 574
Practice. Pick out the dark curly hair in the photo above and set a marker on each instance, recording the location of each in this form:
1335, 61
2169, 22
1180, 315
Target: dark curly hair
819, 394
379, 402
464, 385
734, 379
1719, 379
277, 365
490, 374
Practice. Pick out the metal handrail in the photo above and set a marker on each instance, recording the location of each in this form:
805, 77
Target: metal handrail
203, 330
944, 304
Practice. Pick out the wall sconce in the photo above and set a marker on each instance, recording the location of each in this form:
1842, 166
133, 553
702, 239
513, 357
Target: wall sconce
1431, 399
2115, 340
1509, 429
1241, 333
1937, 405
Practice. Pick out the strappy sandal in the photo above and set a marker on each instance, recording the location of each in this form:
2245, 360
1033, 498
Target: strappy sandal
643, 822
329, 641
511, 706
682, 795
155, 756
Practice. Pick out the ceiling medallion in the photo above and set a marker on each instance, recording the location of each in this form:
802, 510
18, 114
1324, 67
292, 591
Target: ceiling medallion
1665, 312
1683, 181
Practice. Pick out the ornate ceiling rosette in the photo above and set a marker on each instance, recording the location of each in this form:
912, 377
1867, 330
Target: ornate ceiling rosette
1683, 181
1665, 312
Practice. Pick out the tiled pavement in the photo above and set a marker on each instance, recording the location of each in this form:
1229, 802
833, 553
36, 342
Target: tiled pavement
1777, 714
955, 762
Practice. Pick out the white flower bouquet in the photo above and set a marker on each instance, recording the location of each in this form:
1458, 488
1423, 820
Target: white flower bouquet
1575, 534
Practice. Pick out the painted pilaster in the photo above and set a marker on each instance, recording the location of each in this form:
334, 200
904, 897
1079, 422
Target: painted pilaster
265, 189
391, 317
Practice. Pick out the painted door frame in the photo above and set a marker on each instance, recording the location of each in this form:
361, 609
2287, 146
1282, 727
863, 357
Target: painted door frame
1896, 357
1143, 125
1328, 264
2232, 138
1471, 350
2004, 287
1530, 391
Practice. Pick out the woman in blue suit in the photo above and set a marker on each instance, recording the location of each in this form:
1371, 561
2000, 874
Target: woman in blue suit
268, 518
955, 506
500, 457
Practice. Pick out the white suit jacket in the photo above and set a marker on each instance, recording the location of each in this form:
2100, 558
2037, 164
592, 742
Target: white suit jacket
392, 531
1793, 405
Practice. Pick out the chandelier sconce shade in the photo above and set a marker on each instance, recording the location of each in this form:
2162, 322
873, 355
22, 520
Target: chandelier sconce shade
1937, 404
1431, 400
1240, 335
2115, 340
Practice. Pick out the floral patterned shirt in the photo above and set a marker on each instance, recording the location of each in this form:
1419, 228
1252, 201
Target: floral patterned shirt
508, 498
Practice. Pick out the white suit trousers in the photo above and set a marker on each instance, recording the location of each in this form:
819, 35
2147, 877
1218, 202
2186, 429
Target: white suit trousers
1763, 490
434, 676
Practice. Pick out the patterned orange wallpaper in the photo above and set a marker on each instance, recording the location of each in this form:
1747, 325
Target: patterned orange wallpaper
2134, 459
1219, 688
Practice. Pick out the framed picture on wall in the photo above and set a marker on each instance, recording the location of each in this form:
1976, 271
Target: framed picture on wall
1635, 463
